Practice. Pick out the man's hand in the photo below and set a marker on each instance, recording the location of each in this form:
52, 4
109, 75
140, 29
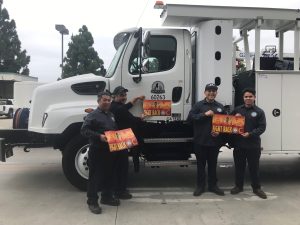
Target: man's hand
215, 134
103, 138
144, 116
245, 135
133, 101
209, 113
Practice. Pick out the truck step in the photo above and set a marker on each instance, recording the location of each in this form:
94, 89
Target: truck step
167, 140
181, 163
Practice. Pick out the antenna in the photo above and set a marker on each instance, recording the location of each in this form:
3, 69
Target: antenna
137, 24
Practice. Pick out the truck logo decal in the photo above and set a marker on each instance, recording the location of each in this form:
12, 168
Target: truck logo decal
158, 87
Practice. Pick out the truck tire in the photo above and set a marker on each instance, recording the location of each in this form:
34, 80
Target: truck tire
74, 162
20, 120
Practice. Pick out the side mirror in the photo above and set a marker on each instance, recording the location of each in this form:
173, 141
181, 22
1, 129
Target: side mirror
146, 44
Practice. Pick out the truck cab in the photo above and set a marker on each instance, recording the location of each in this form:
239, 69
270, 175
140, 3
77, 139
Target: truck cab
163, 74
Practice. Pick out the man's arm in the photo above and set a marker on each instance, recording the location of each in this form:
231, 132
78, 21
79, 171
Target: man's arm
128, 105
261, 125
124, 115
195, 114
133, 101
87, 129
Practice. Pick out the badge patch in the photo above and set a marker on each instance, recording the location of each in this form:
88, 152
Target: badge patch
254, 114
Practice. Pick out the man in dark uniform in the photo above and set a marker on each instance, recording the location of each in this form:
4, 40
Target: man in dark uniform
206, 142
124, 119
101, 161
247, 146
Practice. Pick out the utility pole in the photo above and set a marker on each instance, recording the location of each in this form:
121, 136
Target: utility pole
1, 2
63, 31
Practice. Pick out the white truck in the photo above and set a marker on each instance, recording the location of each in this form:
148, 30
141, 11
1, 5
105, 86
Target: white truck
173, 64
6, 108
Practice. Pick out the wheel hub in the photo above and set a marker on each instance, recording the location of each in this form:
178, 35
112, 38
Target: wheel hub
81, 161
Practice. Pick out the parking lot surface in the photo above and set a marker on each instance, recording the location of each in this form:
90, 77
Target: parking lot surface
33, 190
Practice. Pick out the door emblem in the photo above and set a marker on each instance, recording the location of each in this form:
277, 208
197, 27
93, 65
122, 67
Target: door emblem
158, 87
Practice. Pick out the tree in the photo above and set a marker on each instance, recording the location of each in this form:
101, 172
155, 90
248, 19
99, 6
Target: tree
12, 58
81, 56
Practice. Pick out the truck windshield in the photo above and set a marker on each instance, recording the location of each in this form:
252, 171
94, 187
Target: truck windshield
120, 46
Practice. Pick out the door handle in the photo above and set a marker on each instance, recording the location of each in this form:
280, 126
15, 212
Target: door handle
276, 112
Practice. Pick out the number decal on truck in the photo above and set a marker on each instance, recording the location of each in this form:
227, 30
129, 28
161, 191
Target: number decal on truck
158, 97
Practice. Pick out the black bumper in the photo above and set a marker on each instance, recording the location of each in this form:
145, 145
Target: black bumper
21, 137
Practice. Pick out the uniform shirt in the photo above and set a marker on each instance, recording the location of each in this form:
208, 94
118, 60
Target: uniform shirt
95, 124
255, 124
124, 118
203, 124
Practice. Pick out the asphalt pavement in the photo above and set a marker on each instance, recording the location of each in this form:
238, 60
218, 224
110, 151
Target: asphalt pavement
34, 191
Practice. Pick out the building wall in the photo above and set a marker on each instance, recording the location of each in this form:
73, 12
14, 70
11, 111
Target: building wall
6, 89
7, 81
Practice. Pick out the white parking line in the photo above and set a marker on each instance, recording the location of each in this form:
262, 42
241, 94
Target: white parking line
185, 195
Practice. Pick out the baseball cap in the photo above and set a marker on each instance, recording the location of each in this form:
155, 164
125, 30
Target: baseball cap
211, 86
119, 90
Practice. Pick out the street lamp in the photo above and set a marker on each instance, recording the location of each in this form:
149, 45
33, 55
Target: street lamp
63, 31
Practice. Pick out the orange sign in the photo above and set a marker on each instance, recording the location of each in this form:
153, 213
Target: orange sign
157, 107
120, 139
228, 124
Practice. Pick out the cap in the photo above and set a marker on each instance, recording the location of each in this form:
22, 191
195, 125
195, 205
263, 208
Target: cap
119, 90
211, 86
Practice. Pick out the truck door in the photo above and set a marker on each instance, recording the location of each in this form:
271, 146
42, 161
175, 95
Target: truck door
290, 112
162, 71
269, 99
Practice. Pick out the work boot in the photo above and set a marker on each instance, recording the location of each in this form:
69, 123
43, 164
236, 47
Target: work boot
198, 191
235, 190
216, 190
112, 201
123, 195
260, 193
95, 208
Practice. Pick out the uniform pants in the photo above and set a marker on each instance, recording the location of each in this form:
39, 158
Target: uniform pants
209, 155
101, 164
241, 157
121, 171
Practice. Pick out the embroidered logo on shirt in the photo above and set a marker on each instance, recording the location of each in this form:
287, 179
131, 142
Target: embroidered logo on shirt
254, 114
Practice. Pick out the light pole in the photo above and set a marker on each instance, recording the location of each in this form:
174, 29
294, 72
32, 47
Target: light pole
63, 31
1, 2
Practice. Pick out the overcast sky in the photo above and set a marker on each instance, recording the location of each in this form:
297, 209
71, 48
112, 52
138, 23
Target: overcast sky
36, 19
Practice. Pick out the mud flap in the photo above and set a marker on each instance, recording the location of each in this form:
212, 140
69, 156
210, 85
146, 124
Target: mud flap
5, 151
